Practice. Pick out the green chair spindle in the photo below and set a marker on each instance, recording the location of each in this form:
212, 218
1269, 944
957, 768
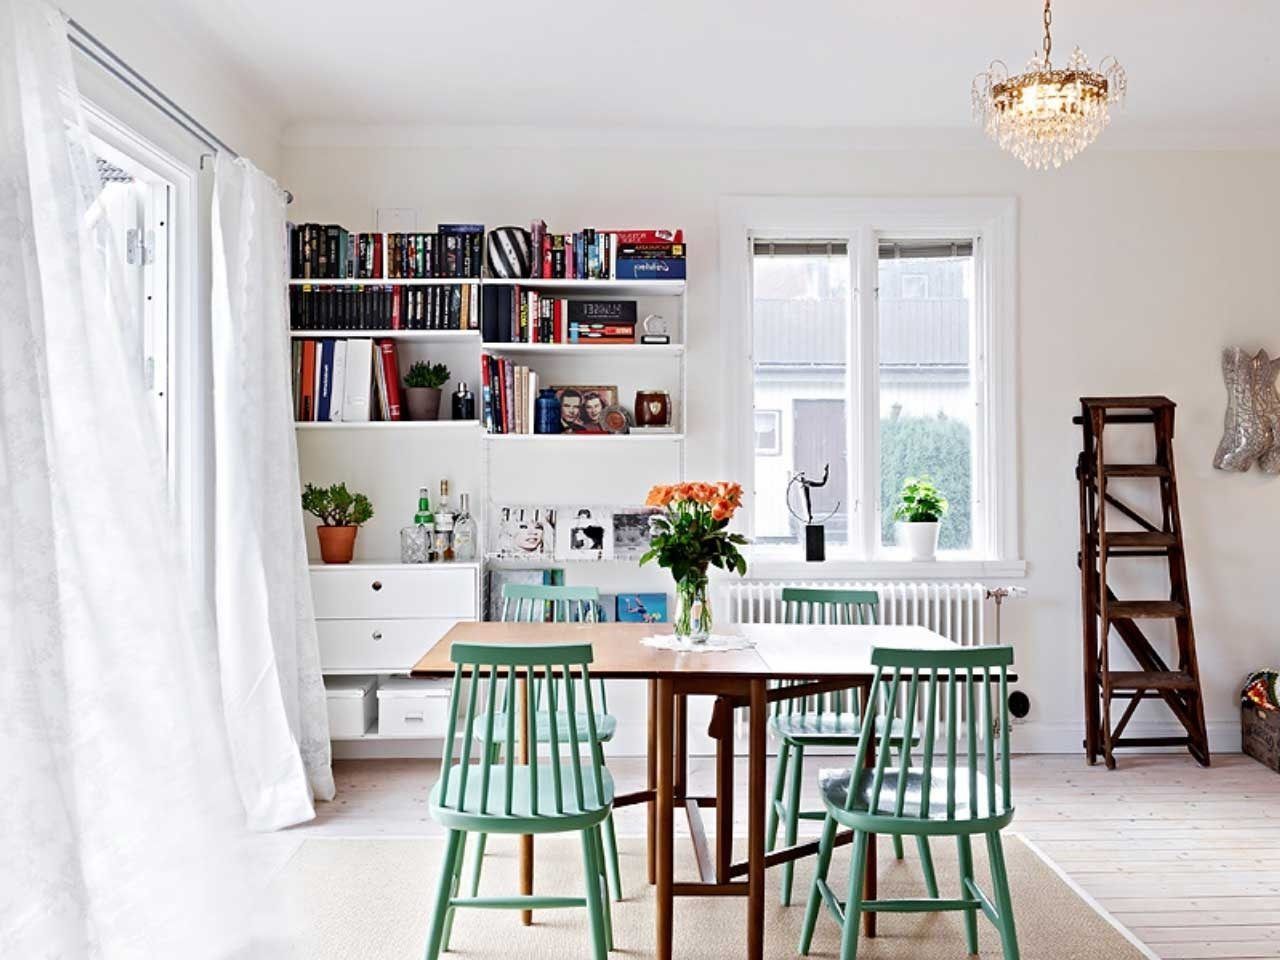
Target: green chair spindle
554, 792
902, 797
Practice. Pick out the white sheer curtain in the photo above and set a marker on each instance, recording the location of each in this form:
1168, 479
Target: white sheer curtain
271, 686
120, 831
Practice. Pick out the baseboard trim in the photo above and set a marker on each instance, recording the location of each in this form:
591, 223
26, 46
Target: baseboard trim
1041, 737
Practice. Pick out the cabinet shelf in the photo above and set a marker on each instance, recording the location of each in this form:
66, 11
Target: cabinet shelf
628, 349
459, 426
609, 439
389, 282
618, 288
437, 335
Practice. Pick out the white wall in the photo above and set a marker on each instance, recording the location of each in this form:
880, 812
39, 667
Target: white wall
1135, 270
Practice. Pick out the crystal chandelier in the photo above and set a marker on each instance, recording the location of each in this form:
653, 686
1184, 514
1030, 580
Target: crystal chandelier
1045, 116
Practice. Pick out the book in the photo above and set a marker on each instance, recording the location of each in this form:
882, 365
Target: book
324, 394
650, 269
390, 378
593, 311
359, 369
337, 393
306, 407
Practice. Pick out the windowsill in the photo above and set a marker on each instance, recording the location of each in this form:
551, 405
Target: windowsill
788, 564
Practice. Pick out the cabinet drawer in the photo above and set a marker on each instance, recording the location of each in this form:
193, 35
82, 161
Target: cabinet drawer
394, 592
377, 646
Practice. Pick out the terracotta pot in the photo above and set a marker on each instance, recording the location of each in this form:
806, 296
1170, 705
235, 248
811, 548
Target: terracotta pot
424, 403
337, 544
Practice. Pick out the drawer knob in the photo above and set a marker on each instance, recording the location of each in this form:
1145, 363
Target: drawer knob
377, 634
377, 585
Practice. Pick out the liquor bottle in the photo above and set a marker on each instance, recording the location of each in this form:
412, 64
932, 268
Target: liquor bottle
464, 532
426, 520
444, 524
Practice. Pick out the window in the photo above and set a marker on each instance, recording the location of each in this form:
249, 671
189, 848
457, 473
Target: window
768, 428
879, 340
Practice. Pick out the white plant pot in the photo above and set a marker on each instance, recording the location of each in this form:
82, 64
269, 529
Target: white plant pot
920, 539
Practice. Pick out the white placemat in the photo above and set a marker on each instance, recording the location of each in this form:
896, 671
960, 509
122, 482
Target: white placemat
716, 643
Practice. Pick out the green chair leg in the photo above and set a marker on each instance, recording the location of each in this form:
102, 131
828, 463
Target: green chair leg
898, 852
595, 902
825, 846
966, 873
598, 839
926, 866
454, 884
1004, 900
441, 909
779, 782
477, 863
611, 846
853, 906
792, 821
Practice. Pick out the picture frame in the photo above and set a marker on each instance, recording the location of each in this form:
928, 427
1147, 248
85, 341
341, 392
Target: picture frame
497, 579
585, 533
525, 532
641, 608
582, 408
632, 531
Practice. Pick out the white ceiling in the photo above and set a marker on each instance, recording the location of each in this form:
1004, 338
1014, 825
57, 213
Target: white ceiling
1200, 71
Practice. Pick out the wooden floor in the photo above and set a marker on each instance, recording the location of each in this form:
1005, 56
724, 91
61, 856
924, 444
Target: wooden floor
1187, 859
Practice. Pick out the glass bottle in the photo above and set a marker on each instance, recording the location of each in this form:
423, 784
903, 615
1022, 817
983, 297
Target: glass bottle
444, 524
464, 532
415, 540
426, 522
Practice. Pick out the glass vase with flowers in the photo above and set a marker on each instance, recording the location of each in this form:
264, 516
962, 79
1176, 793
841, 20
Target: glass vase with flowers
690, 536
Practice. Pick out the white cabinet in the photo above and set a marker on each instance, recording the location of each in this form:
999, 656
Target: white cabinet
380, 619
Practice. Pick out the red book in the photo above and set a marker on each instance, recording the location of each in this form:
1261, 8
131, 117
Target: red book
546, 256
395, 308
391, 370
307, 407
647, 236
486, 393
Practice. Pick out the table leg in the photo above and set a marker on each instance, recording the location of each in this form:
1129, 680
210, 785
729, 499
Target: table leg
651, 781
755, 821
526, 841
682, 748
722, 723
665, 865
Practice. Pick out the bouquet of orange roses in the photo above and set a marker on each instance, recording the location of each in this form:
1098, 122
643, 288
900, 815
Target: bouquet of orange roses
690, 535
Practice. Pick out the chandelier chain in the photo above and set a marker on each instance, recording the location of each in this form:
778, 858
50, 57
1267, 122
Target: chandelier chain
1048, 39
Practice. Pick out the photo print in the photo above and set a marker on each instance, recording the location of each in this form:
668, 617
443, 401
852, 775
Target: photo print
582, 408
526, 532
585, 533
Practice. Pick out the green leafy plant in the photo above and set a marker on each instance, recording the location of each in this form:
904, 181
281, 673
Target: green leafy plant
910, 445
421, 374
336, 506
919, 501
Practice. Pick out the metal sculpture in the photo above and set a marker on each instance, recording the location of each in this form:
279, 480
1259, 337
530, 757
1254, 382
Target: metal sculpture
815, 534
1251, 429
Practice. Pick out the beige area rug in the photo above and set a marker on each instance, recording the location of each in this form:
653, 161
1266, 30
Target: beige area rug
369, 900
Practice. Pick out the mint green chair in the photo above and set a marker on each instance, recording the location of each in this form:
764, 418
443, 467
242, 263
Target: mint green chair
904, 796
824, 720
535, 603
557, 793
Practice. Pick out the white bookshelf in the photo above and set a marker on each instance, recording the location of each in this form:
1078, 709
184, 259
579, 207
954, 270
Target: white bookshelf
440, 336
390, 282
646, 350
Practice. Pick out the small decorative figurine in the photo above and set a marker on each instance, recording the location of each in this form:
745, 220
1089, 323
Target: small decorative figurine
815, 535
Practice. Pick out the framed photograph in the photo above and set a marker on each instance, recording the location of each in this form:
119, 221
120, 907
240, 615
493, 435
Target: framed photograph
525, 532
585, 533
631, 531
642, 608
499, 578
582, 408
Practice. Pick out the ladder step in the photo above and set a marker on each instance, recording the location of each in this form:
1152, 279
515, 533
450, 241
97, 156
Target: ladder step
1128, 403
1140, 538
1152, 742
1135, 470
1150, 680
1145, 610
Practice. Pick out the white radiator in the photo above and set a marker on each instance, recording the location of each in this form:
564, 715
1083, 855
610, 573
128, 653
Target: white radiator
955, 610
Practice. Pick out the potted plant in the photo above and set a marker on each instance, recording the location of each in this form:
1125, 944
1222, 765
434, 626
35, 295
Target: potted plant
341, 513
689, 536
422, 389
920, 508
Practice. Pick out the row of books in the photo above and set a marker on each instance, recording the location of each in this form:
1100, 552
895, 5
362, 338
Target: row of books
384, 307
328, 251
592, 254
516, 314
348, 380
508, 392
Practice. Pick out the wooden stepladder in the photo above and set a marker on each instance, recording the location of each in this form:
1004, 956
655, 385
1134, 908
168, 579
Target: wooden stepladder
1104, 613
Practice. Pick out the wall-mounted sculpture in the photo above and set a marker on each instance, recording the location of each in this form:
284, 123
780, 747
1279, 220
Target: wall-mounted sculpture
1251, 433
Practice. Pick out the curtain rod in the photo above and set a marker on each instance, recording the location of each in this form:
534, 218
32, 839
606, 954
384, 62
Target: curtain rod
114, 64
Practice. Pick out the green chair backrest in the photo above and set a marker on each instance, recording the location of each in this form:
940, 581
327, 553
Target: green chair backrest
538, 603
826, 605
922, 675
491, 673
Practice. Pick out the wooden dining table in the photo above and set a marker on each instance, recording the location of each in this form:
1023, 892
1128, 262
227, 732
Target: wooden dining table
816, 658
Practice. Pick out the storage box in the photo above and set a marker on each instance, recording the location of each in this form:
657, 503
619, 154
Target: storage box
352, 707
414, 708
1260, 717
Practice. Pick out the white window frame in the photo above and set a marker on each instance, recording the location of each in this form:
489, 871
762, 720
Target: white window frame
993, 223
